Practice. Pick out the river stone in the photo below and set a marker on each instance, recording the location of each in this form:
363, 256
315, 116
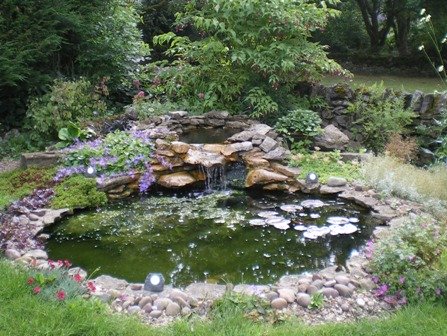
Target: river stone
330, 283
311, 289
263, 176
278, 303
331, 138
303, 300
107, 282
147, 308
325, 190
270, 296
345, 307
343, 290
302, 288
180, 147
185, 311
319, 283
37, 254
330, 292
12, 254
176, 180
178, 294
77, 270
202, 291
133, 310
268, 144
367, 284
155, 313
162, 303
342, 279
144, 301
173, 309
334, 181
287, 293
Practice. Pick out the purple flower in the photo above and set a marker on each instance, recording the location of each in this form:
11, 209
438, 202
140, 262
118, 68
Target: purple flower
68, 171
165, 163
382, 290
401, 280
146, 180
375, 279
369, 249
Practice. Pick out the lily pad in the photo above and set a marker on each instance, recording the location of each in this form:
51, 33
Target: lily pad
311, 204
257, 222
337, 220
291, 207
267, 214
300, 227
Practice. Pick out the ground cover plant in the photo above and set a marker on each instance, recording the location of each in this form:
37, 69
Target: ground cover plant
19, 183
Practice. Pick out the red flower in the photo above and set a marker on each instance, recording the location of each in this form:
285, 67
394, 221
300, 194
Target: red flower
51, 263
30, 281
60, 295
60, 263
67, 264
91, 286
37, 290
77, 277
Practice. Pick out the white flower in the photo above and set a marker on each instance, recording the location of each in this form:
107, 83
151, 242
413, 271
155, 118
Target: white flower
440, 68
421, 47
428, 18
444, 40
422, 11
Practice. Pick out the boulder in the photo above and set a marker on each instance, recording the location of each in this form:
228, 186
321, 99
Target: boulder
176, 180
335, 181
107, 282
263, 176
206, 159
279, 303
332, 138
237, 147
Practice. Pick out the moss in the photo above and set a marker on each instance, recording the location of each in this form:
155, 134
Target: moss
78, 192
21, 182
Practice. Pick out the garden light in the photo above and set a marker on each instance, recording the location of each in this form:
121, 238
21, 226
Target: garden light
91, 171
311, 178
154, 282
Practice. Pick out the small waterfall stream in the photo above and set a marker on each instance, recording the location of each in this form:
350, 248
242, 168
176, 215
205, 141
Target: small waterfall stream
215, 177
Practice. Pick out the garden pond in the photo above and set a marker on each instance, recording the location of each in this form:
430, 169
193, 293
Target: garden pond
221, 236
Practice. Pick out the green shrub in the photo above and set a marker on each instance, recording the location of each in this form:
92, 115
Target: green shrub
78, 192
20, 183
378, 114
301, 125
325, 165
410, 261
247, 56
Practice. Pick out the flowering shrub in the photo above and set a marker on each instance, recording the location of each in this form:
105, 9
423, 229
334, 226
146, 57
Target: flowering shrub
410, 263
56, 283
119, 153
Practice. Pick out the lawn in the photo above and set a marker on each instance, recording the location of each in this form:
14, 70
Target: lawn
23, 313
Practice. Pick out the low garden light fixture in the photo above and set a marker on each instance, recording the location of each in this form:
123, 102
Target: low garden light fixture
90, 172
154, 282
311, 178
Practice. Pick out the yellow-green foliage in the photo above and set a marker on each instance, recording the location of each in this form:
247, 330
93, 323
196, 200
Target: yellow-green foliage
78, 192
392, 177
325, 165
21, 182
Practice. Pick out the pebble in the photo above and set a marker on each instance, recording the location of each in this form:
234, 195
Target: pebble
173, 309
147, 308
343, 290
185, 311
312, 289
343, 280
318, 283
144, 301
133, 310
303, 300
279, 303
270, 296
302, 288
136, 287
330, 292
330, 283
162, 303
361, 302
345, 307
155, 313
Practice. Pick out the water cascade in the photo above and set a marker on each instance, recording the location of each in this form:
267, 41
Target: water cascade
215, 177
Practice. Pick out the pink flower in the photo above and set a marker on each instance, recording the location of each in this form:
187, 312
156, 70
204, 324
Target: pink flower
77, 277
37, 290
60, 294
91, 286
51, 264
67, 264
30, 281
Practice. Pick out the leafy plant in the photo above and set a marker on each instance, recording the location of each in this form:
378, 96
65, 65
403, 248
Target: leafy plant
247, 54
300, 125
378, 114
68, 101
409, 261
316, 301
78, 192
72, 133
402, 149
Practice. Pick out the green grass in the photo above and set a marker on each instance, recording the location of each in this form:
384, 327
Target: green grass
21, 182
325, 165
23, 313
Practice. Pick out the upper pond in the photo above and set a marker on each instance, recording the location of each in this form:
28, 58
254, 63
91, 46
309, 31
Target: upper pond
223, 236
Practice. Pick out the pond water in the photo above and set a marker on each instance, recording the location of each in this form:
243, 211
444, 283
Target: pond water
223, 236
208, 135
404, 83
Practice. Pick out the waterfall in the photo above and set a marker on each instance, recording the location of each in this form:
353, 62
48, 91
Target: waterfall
215, 177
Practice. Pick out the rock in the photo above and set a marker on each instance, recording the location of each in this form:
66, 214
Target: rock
206, 159
40, 159
325, 190
136, 287
303, 300
263, 176
115, 293
217, 114
331, 138
155, 313
255, 161
214, 148
330, 292
359, 198
343, 290
242, 136
12, 254
342, 279
285, 170
287, 293
178, 294
173, 309
334, 181
311, 289
262, 129
77, 270
180, 147
162, 144
147, 308
302, 288
367, 284
37, 254
237, 147
185, 311
178, 114
112, 183
279, 303
270, 296
133, 310
345, 307
144, 301
319, 283
161, 303
360, 302
277, 154
202, 291
176, 180
107, 282
268, 144
251, 289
